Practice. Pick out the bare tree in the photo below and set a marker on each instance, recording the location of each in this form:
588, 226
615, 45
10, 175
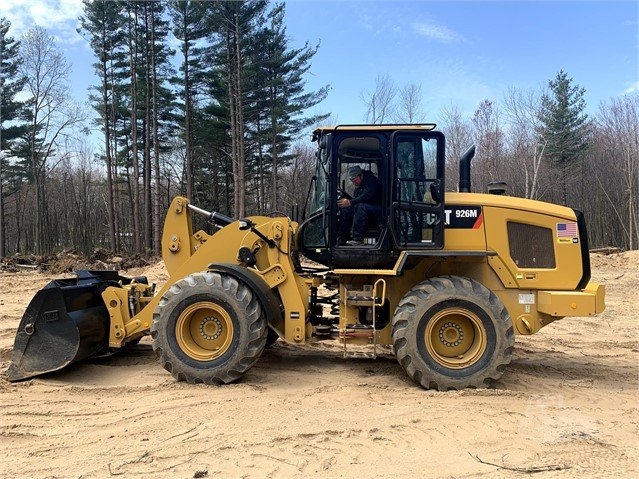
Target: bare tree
296, 177
53, 117
77, 206
489, 138
527, 147
380, 103
618, 140
458, 139
409, 104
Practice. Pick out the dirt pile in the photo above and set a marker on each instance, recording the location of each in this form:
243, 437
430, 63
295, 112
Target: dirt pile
68, 261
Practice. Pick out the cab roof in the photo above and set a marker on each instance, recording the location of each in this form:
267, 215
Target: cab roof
322, 130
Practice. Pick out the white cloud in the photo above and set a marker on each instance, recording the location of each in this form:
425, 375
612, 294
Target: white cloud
632, 88
59, 17
437, 32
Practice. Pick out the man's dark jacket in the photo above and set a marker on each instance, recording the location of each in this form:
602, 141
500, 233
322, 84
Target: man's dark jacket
369, 191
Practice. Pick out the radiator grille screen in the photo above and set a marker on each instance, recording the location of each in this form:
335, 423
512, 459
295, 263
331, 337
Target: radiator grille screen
531, 246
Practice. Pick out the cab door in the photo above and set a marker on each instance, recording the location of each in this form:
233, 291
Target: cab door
314, 232
417, 209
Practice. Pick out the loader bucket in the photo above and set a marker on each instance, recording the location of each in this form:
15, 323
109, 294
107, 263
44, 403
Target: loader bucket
65, 322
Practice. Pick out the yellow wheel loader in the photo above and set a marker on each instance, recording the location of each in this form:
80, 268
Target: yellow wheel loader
447, 279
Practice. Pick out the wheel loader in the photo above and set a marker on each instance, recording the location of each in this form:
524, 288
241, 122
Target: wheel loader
445, 278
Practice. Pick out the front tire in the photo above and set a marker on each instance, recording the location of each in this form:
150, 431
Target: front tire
208, 328
452, 333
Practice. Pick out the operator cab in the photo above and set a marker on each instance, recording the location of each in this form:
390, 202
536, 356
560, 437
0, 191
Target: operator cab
409, 162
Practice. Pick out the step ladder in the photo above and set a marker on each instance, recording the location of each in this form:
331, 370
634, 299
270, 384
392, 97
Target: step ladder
368, 298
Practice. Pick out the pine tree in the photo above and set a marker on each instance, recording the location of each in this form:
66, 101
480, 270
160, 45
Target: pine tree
130, 133
161, 104
11, 111
265, 95
102, 24
11, 83
234, 24
294, 101
189, 27
130, 42
279, 93
564, 127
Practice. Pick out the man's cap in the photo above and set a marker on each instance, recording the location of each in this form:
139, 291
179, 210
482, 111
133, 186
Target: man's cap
354, 171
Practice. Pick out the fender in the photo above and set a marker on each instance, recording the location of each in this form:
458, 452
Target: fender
271, 304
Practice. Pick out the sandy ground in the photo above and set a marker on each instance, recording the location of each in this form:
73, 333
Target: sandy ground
566, 407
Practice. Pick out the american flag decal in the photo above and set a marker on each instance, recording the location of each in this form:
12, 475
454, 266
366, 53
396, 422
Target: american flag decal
567, 230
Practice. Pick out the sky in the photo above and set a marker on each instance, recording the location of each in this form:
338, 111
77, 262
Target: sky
460, 52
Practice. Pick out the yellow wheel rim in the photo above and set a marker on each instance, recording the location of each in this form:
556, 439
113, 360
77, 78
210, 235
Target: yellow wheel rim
455, 338
204, 331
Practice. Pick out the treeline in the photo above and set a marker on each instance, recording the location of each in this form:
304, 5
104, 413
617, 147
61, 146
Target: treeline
545, 147
208, 100
218, 128
543, 144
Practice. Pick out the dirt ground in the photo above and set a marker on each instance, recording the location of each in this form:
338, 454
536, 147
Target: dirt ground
568, 406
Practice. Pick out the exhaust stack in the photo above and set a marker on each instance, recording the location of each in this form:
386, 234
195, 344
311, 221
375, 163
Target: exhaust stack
464, 170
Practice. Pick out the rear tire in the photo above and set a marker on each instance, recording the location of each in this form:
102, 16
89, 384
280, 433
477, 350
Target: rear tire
208, 328
452, 333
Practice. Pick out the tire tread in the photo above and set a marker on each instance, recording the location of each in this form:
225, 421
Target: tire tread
427, 293
255, 323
